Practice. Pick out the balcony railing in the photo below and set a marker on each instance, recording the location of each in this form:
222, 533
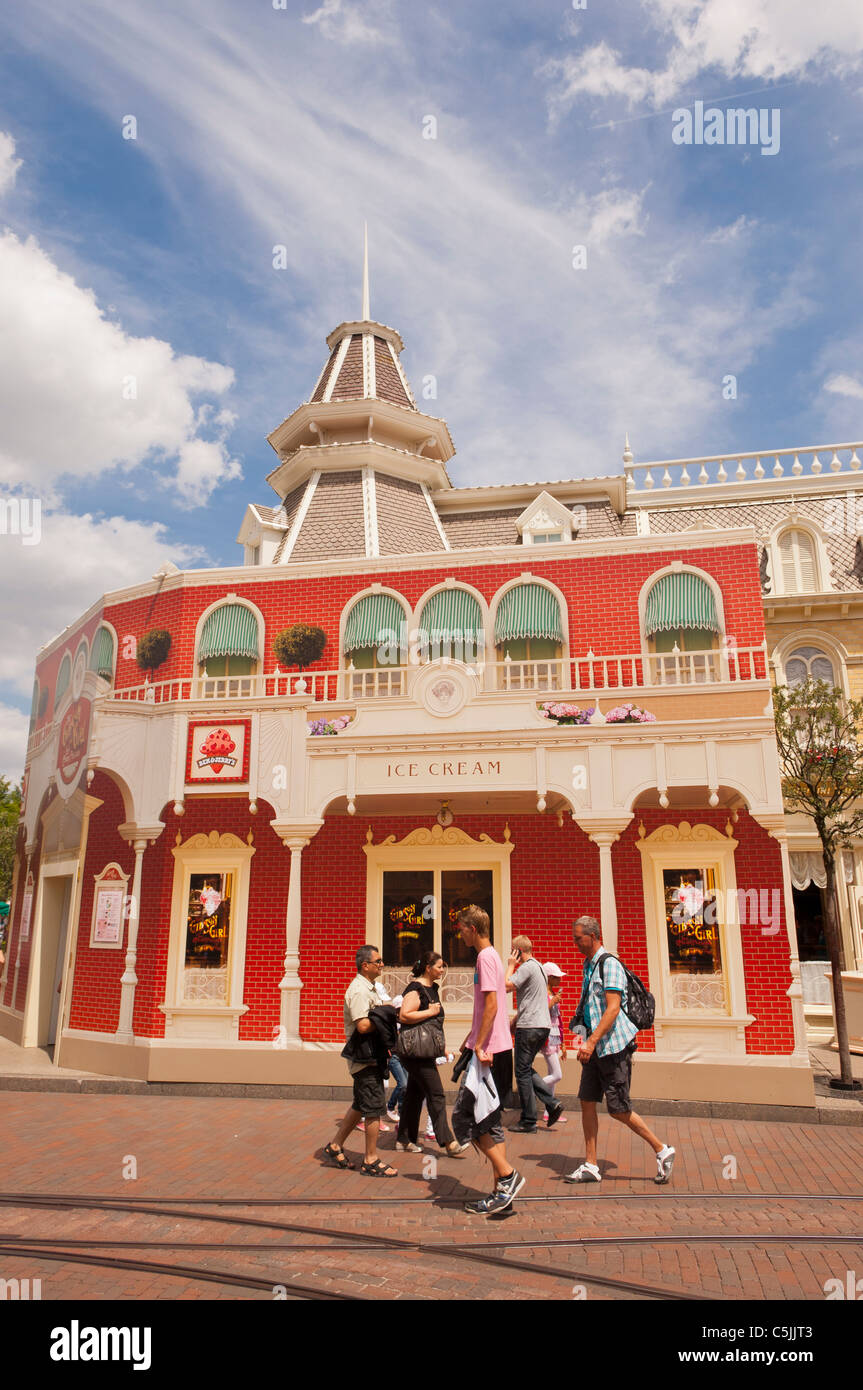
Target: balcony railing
790, 467
567, 675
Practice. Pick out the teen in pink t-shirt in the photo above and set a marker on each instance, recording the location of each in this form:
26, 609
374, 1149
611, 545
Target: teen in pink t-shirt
489, 977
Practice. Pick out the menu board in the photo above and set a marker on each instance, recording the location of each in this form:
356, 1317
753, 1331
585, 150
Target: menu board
108, 917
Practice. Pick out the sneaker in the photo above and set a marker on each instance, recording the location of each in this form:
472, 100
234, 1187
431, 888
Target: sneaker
509, 1187
588, 1172
664, 1164
522, 1128
554, 1114
408, 1148
393, 1115
500, 1199
430, 1134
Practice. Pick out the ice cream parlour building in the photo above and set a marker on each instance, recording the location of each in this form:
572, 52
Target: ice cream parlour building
523, 701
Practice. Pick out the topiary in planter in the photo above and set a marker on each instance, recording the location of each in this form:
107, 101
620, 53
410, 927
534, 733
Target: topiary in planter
299, 645
152, 648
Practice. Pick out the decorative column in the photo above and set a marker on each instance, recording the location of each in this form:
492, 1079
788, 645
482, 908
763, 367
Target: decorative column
294, 837
29, 850
603, 833
138, 837
795, 989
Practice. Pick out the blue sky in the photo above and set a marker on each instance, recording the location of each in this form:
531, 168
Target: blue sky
256, 127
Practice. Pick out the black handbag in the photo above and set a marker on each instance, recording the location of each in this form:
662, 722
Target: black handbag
421, 1040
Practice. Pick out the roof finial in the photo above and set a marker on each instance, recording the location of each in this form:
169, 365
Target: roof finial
627, 452
366, 308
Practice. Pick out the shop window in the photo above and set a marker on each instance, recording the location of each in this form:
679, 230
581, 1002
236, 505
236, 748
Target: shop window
411, 920
208, 937
408, 916
693, 938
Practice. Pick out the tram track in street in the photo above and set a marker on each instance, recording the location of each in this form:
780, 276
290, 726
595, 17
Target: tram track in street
333, 1241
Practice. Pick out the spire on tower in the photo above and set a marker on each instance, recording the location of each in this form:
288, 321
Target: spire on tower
366, 315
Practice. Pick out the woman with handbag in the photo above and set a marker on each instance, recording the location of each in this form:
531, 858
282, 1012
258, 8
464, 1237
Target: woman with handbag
421, 1042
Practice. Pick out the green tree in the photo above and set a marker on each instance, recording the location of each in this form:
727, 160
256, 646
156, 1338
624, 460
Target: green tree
10, 810
817, 732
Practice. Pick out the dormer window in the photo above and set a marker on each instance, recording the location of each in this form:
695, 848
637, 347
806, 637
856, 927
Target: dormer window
546, 520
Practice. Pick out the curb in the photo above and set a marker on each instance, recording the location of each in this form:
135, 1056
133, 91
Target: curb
840, 1113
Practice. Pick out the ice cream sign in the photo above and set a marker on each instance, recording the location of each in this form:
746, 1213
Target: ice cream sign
218, 752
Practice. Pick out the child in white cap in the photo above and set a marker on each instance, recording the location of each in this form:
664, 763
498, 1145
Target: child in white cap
554, 1050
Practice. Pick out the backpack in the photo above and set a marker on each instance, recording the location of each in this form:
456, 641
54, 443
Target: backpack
640, 1003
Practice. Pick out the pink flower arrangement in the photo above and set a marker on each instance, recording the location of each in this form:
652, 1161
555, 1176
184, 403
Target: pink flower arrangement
331, 726
565, 714
629, 714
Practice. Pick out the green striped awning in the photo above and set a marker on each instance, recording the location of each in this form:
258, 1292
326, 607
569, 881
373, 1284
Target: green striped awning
370, 620
102, 655
451, 610
64, 676
231, 630
528, 610
680, 600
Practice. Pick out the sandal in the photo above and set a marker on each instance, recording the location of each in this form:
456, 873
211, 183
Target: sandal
338, 1157
379, 1169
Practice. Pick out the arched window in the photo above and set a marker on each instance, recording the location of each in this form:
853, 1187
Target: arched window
809, 663
228, 651
798, 568
102, 654
451, 625
374, 643
681, 626
528, 638
64, 676
34, 708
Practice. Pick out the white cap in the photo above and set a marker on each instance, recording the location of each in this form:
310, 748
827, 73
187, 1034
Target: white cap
551, 969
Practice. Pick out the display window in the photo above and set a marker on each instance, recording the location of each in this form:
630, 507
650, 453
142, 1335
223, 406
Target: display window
208, 936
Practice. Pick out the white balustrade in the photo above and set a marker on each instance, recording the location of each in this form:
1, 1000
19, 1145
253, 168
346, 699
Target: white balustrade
789, 465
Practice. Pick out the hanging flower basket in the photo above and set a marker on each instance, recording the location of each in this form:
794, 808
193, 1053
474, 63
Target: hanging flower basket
562, 713
629, 714
319, 727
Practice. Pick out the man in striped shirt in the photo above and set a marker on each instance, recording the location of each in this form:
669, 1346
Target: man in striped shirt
606, 1053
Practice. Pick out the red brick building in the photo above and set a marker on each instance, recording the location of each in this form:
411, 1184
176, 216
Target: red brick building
202, 851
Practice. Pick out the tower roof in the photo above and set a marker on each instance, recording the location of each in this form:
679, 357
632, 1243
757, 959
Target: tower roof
364, 358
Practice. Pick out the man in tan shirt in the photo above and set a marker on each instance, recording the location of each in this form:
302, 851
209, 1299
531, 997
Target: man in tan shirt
369, 1100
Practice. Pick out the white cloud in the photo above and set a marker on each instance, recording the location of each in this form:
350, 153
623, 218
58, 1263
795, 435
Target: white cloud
13, 741
484, 289
844, 385
349, 24
78, 395
9, 165
756, 40
732, 231
78, 559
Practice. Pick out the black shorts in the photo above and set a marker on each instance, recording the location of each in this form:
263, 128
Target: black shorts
369, 1094
610, 1077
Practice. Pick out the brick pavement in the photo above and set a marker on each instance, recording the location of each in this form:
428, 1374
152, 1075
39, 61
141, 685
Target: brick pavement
245, 1148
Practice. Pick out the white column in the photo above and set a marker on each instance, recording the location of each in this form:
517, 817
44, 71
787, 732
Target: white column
29, 850
604, 839
129, 979
795, 989
291, 984
603, 831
